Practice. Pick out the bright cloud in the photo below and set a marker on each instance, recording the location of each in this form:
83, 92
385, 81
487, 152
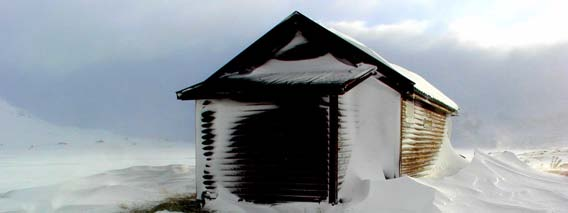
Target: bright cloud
509, 24
360, 27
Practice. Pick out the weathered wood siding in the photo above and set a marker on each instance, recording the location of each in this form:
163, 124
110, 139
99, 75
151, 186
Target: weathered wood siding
423, 130
264, 152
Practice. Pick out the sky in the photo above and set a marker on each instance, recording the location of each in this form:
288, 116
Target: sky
115, 65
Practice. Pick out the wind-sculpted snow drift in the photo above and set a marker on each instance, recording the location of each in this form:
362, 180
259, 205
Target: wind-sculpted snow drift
34, 152
498, 183
489, 183
105, 192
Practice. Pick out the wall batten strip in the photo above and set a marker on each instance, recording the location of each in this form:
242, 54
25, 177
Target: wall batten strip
333, 147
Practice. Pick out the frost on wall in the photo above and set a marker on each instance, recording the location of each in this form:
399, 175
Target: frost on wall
369, 135
263, 151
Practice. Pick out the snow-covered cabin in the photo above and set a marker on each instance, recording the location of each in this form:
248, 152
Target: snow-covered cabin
306, 113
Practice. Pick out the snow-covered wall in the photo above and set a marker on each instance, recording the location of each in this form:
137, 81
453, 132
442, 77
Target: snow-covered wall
369, 134
215, 120
263, 151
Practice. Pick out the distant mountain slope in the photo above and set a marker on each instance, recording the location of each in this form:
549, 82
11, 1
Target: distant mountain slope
20, 129
34, 152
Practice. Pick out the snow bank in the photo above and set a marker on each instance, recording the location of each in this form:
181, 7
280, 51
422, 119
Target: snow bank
38, 167
447, 162
34, 152
490, 183
105, 192
499, 183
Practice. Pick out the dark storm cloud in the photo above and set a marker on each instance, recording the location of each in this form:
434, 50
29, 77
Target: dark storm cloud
508, 98
115, 65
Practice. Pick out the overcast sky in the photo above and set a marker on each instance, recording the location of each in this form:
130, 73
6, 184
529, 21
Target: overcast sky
115, 65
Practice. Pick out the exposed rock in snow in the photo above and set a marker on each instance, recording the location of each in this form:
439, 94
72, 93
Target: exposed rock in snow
553, 161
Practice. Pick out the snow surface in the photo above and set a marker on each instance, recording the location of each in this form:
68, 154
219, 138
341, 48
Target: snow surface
53, 177
425, 87
327, 63
448, 161
298, 39
489, 183
110, 191
498, 183
34, 152
42, 166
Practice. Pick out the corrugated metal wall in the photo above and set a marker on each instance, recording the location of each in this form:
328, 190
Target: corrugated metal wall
423, 131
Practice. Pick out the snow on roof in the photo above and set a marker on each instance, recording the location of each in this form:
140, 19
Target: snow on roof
297, 40
421, 84
323, 70
425, 87
359, 45
322, 74
326, 62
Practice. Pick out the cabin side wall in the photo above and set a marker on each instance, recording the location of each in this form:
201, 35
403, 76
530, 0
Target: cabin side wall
423, 131
369, 135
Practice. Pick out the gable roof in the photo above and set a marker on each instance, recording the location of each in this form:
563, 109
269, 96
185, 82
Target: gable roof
299, 39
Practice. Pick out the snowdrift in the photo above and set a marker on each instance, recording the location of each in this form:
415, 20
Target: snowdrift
34, 152
105, 192
498, 183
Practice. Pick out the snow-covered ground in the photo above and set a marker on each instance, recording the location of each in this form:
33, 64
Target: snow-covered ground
50, 168
30, 168
490, 183
111, 191
47, 168
34, 152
